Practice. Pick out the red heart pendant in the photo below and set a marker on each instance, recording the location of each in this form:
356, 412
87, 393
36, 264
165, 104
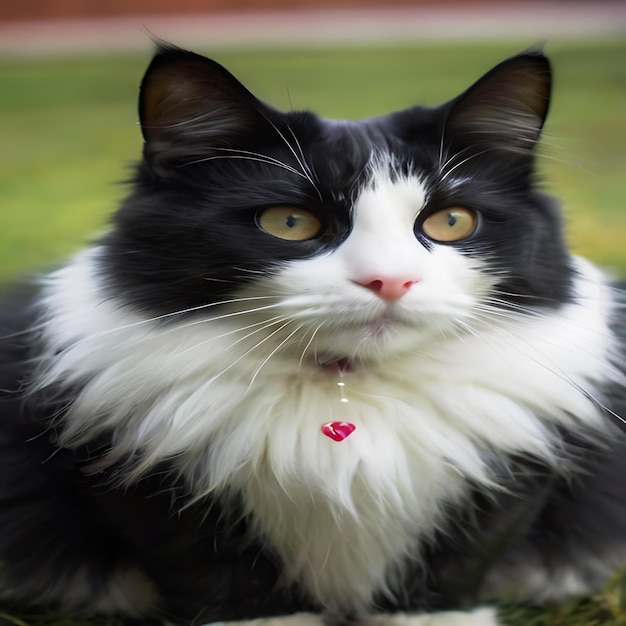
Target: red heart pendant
338, 431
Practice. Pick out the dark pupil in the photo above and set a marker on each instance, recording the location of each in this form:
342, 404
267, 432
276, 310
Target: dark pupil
291, 221
451, 219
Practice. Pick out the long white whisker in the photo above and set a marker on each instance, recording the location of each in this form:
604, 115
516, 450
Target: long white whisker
291, 149
443, 165
305, 173
274, 351
209, 382
578, 166
548, 364
267, 161
224, 316
302, 159
180, 312
262, 324
441, 143
465, 160
308, 344
266, 158
305, 165
259, 155
505, 310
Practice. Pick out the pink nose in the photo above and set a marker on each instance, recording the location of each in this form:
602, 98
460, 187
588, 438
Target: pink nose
390, 287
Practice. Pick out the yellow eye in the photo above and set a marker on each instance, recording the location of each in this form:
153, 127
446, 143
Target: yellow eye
289, 223
451, 224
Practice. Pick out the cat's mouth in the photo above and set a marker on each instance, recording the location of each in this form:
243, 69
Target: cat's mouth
343, 365
370, 338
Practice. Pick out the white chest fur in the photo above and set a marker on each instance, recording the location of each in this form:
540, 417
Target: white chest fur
342, 515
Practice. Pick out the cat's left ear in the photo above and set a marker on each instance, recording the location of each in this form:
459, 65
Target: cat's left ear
190, 105
505, 109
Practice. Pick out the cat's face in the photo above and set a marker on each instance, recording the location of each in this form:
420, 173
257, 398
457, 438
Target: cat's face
343, 241
387, 286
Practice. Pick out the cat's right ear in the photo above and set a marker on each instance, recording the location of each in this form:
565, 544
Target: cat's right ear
506, 109
189, 106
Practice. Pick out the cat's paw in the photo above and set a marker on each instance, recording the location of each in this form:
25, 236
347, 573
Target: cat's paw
477, 617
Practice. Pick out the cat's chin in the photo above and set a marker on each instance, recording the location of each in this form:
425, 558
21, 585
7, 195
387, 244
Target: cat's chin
358, 355
359, 345
347, 355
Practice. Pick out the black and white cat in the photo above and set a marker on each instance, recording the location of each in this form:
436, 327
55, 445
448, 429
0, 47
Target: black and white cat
318, 369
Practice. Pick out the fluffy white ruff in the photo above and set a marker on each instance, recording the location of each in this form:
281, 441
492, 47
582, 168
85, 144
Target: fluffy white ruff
442, 379
342, 515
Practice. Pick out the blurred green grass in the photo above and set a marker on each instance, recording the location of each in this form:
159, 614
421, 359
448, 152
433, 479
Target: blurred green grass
69, 129
69, 133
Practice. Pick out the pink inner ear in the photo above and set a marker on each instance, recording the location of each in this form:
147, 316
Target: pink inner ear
338, 431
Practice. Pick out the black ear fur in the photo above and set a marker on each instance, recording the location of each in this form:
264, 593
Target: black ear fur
506, 108
189, 105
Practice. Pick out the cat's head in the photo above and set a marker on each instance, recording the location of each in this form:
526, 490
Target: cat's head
357, 235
